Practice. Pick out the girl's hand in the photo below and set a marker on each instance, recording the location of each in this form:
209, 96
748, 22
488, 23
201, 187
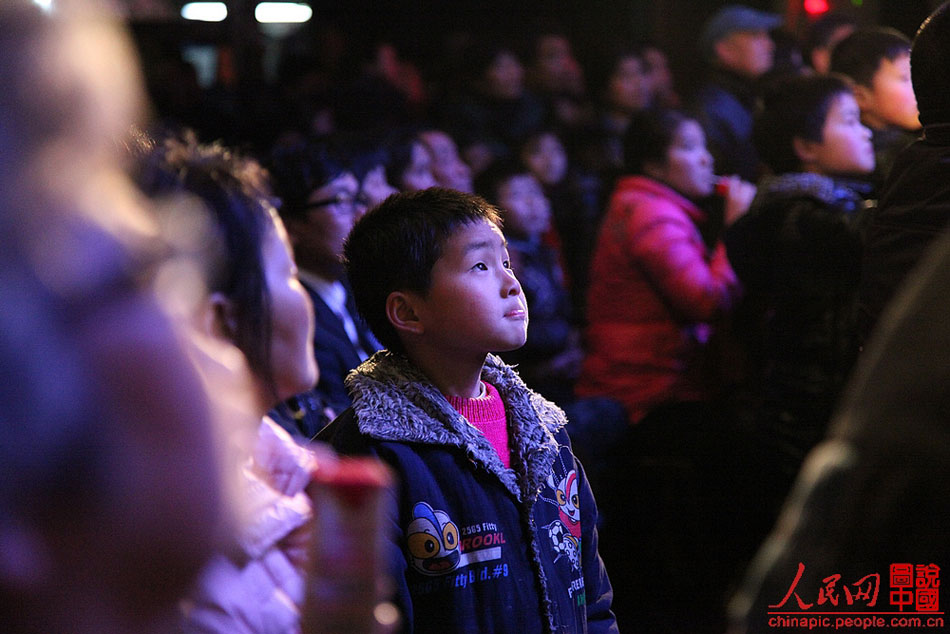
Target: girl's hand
739, 195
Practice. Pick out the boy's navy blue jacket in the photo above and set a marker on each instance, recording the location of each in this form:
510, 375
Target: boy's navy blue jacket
477, 547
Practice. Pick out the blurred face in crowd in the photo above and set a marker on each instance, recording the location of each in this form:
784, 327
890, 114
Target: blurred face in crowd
556, 67
319, 235
292, 321
845, 146
504, 78
689, 166
387, 60
134, 506
546, 158
890, 100
658, 69
527, 211
448, 168
374, 189
748, 53
629, 88
821, 55
418, 174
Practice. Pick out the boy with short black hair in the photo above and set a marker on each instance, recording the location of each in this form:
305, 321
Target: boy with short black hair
797, 253
495, 519
878, 62
915, 201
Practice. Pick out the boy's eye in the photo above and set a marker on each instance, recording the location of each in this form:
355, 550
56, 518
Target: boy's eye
506, 264
481, 266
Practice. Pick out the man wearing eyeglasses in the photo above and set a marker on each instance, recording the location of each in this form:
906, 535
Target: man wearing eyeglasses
321, 201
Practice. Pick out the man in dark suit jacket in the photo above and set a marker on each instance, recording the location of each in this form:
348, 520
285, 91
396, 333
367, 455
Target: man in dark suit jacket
335, 351
319, 206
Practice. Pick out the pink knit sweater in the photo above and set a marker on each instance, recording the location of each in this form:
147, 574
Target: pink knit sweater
487, 415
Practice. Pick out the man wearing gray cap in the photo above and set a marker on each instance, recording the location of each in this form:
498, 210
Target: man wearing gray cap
735, 42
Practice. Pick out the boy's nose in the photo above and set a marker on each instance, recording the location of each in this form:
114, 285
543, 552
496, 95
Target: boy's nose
511, 284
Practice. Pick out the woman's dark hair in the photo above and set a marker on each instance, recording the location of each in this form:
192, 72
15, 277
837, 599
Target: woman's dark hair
488, 184
360, 152
794, 107
398, 153
600, 69
648, 136
236, 193
396, 244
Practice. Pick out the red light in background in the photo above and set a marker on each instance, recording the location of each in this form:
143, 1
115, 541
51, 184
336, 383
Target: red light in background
816, 7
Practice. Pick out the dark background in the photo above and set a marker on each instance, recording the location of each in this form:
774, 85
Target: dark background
420, 28
242, 59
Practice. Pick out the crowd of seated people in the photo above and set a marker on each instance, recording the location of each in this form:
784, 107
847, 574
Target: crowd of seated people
563, 140
693, 260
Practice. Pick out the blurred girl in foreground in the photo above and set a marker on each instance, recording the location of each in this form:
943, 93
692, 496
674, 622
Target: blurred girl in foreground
255, 302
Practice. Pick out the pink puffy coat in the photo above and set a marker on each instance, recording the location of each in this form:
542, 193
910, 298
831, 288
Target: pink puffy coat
655, 288
260, 588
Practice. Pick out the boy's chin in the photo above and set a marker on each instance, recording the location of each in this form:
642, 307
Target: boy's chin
510, 346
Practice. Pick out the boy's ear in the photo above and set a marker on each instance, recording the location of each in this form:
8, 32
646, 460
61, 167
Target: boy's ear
805, 150
864, 96
219, 319
401, 314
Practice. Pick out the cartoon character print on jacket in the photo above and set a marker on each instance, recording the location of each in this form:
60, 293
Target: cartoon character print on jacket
565, 532
435, 547
433, 541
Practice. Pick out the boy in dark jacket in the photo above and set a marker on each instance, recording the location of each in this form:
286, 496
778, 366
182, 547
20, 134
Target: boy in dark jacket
494, 525
797, 253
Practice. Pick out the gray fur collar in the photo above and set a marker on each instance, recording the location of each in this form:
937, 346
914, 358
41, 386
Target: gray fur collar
846, 195
393, 400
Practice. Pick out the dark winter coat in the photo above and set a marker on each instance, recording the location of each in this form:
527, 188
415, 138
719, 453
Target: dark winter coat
797, 253
869, 495
477, 547
914, 210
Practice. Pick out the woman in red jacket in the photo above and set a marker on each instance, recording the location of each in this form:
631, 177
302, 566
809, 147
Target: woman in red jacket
656, 287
